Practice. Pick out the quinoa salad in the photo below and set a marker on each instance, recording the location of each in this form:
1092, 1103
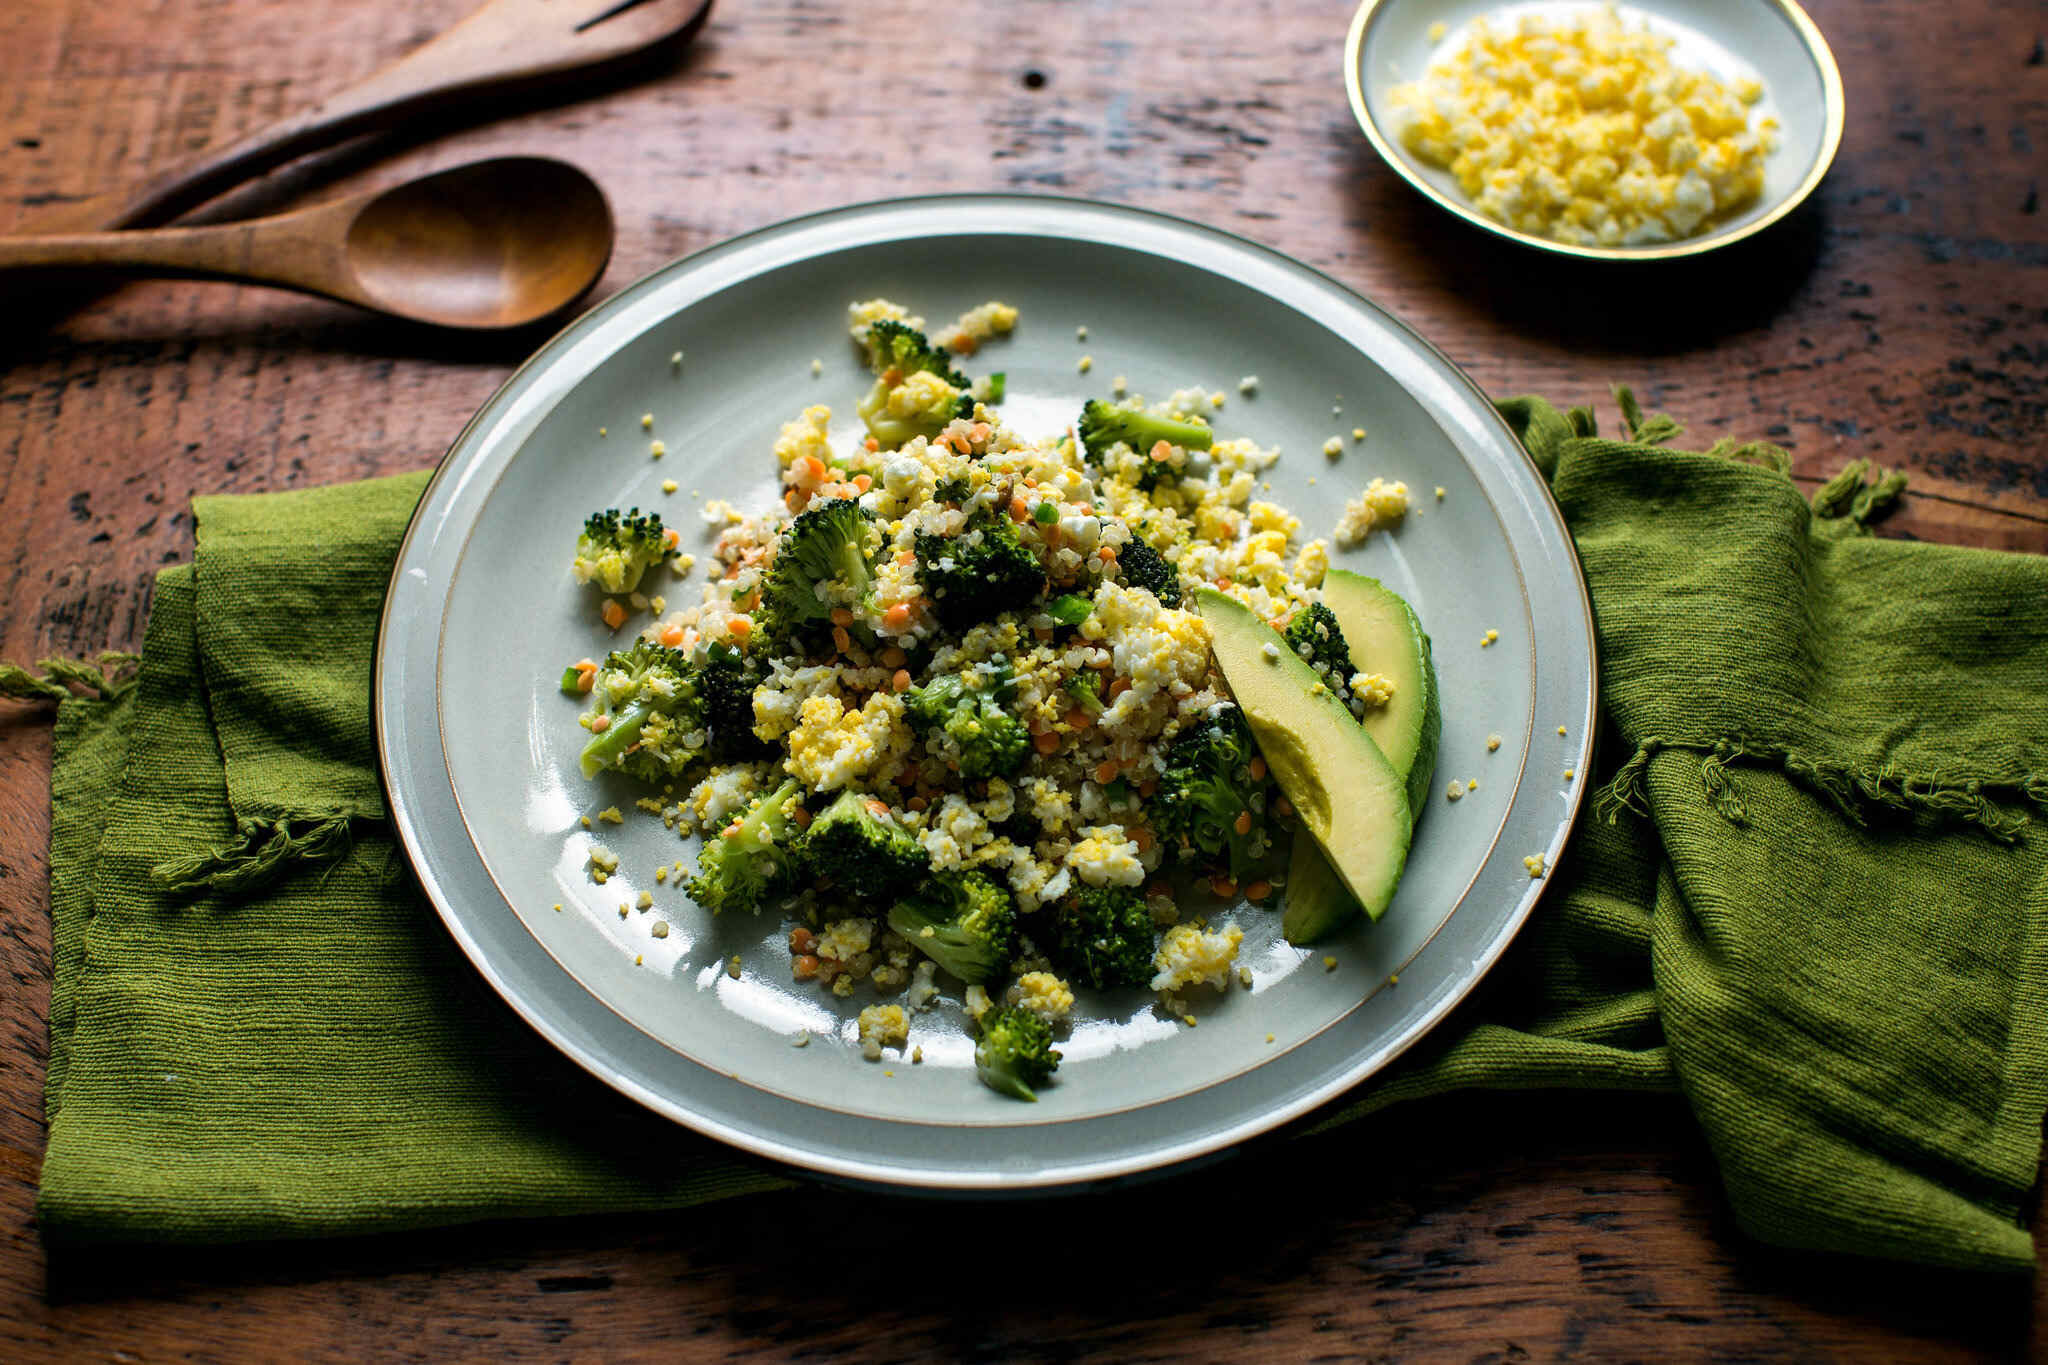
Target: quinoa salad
946, 708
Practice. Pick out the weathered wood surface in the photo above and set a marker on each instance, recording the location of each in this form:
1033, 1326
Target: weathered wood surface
1903, 317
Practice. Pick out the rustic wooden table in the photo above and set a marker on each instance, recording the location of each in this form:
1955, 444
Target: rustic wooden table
1903, 316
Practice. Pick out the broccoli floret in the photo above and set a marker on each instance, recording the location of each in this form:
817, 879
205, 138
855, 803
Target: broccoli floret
896, 346
727, 680
980, 572
1081, 687
1104, 425
1105, 937
917, 390
971, 710
1141, 566
647, 708
964, 921
859, 845
1208, 800
615, 551
1015, 1052
827, 543
1316, 637
752, 858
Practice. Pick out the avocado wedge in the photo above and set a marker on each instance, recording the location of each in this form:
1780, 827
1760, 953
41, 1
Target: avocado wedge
1317, 900
1385, 637
1351, 800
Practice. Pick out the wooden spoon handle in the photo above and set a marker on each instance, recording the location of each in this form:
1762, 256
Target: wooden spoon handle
301, 251
507, 45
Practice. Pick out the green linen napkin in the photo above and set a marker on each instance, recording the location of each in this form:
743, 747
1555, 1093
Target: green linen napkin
1809, 898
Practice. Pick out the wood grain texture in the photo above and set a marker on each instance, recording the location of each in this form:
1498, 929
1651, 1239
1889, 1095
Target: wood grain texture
1903, 316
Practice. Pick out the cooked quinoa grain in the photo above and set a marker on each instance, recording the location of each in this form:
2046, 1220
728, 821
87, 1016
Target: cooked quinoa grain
1017, 738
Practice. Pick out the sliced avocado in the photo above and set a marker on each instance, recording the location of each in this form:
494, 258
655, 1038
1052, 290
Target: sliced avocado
1349, 797
1385, 637
1317, 899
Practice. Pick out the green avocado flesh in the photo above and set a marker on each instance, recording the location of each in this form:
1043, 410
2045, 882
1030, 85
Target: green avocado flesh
1349, 798
1384, 636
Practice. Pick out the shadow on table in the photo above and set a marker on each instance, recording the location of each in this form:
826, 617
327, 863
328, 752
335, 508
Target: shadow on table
1646, 308
1478, 1227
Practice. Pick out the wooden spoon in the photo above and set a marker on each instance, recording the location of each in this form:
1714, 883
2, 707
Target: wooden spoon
508, 45
492, 244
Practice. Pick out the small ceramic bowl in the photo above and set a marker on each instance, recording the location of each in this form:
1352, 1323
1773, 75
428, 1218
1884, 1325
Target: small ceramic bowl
1773, 41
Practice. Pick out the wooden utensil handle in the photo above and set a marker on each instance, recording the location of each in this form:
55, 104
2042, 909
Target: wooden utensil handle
507, 46
290, 252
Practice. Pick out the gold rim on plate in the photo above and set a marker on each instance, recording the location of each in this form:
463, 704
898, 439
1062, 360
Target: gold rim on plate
1832, 103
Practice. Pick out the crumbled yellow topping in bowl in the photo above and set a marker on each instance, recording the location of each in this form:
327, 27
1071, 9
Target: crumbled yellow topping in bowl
1581, 128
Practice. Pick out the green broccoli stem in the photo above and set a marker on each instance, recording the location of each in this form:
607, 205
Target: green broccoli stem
853, 566
609, 745
1005, 1081
1192, 435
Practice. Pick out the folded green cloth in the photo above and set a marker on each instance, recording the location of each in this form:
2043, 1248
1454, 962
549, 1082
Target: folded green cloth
1809, 897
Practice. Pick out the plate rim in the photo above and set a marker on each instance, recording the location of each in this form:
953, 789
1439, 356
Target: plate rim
1147, 1159
1833, 100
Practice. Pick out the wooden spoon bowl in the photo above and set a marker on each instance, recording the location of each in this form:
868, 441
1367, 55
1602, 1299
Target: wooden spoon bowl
493, 244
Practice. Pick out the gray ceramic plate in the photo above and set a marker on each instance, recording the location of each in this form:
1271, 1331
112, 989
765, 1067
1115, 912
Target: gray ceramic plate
479, 749
1393, 42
